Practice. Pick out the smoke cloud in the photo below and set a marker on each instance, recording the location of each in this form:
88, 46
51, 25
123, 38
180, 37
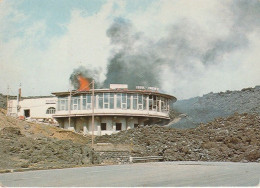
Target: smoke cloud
178, 61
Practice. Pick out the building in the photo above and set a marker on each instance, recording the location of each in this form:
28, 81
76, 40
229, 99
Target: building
115, 109
33, 108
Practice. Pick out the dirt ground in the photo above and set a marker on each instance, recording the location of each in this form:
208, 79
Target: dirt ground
26, 144
236, 138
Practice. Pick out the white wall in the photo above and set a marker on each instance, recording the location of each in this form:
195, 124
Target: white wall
37, 107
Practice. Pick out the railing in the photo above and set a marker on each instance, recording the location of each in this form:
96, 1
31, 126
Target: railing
147, 158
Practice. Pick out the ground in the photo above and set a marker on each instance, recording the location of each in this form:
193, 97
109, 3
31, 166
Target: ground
161, 174
26, 144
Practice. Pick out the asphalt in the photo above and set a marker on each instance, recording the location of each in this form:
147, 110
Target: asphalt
141, 174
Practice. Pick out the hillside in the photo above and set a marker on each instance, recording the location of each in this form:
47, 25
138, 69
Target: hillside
236, 138
26, 144
213, 105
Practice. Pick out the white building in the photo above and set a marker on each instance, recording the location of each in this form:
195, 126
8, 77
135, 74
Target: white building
33, 108
115, 109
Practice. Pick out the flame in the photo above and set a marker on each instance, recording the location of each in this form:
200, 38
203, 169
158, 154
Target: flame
84, 83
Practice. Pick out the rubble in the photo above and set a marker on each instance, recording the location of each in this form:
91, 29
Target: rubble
30, 145
235, 138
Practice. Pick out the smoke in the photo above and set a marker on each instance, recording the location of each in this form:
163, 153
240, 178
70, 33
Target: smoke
89, 74
131, 62
183, 61
182, 57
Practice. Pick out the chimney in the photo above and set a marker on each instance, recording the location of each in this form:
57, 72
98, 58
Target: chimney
19, 94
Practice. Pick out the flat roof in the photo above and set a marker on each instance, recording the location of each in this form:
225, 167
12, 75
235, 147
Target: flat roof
147, 92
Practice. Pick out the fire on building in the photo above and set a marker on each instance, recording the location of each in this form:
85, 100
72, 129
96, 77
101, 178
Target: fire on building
116, 108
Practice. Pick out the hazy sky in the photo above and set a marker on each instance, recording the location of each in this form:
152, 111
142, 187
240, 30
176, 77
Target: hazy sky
206, 45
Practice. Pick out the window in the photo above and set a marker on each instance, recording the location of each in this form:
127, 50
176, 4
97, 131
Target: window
27, 113
103, 126
75, 103
158, 101
129, 101
123, 101
100, 101
150, 102
118, 126
50, 110
118, 100
135, 125
84, 102
62, 103
144, 102
111, 102
135, 101
140, 102
154, 103
106, 100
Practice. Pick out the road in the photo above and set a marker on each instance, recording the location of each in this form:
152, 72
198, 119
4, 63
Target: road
141, 174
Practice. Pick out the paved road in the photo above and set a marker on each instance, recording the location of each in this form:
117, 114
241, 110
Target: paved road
142, 174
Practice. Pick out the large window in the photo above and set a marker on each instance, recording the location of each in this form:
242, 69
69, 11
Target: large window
106, 100
100, 101
123, 100
140, 102
144, 102
118, 100
86, 102
50, 110
62, 103
111, 100
129, 101
75, 103
135, 101
115, 100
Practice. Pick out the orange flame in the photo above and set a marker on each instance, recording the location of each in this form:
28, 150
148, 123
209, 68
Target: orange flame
84, 83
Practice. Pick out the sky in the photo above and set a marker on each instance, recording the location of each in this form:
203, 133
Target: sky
190, 47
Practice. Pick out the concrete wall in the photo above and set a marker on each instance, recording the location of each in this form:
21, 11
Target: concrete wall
37, 107
84, 124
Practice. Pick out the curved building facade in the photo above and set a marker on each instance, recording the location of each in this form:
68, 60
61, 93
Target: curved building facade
115, 109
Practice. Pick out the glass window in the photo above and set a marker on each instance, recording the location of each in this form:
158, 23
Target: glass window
140, 102
129, 101
123, 97
50, 110
124, 100
84, 102
118, 100
75, 103
63, 103
88, 98
111, 101
100, 101
106, 97
135, 101
144, 102
106, 100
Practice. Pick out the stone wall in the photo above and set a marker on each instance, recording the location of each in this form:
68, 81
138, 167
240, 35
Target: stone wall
114, 157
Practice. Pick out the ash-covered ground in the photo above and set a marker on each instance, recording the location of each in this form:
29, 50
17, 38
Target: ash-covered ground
236, 138
26, 144
213, 105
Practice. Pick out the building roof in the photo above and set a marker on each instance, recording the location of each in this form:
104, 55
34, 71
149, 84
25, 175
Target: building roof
147, 92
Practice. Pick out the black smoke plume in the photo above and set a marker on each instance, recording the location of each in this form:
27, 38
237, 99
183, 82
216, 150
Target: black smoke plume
176, 62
